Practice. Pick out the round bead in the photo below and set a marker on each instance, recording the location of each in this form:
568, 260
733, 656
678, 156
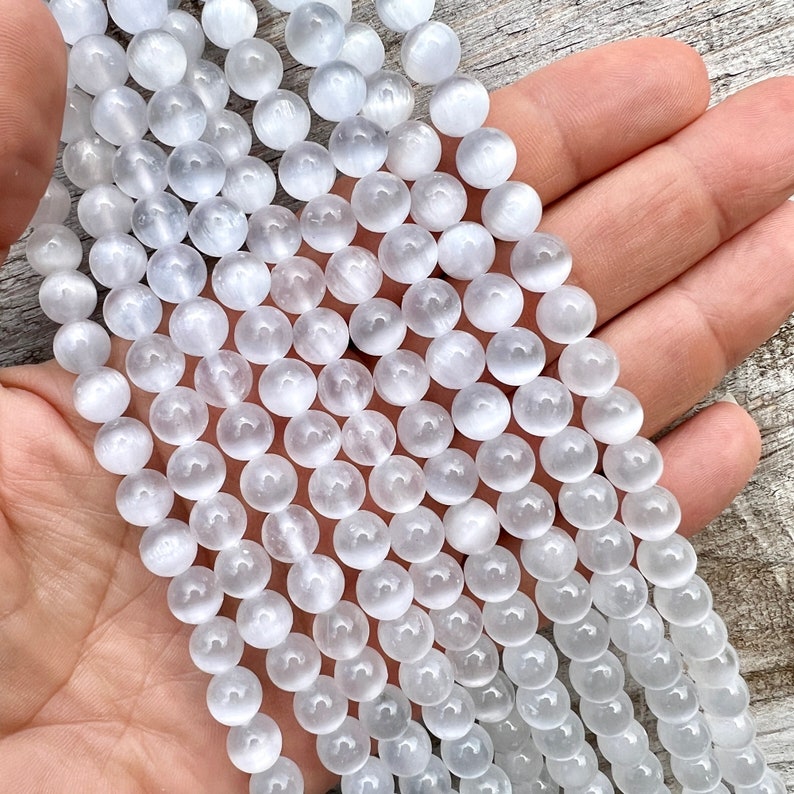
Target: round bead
569, 456
430, 52
341, 632
86, 162
328, 223
652, 514
293, 664
511, 211
492, 575
540, 262
599, 679
196, 470
667, 563
701, 774
588, 504
455, 359
314, 34
685, 605
397, 484
195, 595
217, 226
234, 696
159, 219
132, 312
208, 82
336, 489
357, 145
154, 363
471, 526
641, 634
253, 68
619, 595
425, 429
407, 253
414, 149
118, 114
167, 548
527, 512
337, 89
626, 749
306, 170
117, 260
368, 438
281, 118
362, 677
566, 600
353, 275
438, 582
216, 645
390, 100
315, 583
104, 209
733, 733
287, 387
386, 716
406, 638
176, 115
156, 59
198, 326
533, 664
320, 336
176, 273
297, 284
608, 549
218, 522
486, 157
101, 394
229, 133
283, 776
481, 411
196, 171
401, 378
588, 367
240, 282
264, 620
255, 746
459, 105
545, 707
227, 22
434, 779
469, 756
703, 641
243, 570
244, 431
428, 680
384, 592
363, 48
346, 749
52, 247
515, 356
123, 445
466, 250
542, 407
250, 184
505, 463
409, 754
416, 536
373, 777
438, 200
613, 418
380, 201
657, 669
458, 626
493, 302
550, 557
361, 540
223, 379
146, 15
312, 439
268, 483
186, 28
450, 477
453, 717
566, 314
81, 346
80, 18
634, 465
345, 387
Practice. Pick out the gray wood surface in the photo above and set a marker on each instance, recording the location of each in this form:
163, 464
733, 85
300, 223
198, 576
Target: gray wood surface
747, 553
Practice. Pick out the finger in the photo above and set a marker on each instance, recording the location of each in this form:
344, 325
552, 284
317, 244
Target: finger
32, 79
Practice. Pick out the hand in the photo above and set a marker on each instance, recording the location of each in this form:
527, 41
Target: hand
680, 230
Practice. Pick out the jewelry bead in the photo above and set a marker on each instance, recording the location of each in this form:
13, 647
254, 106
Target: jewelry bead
644, 777
387, 715
545, 707
607, 550
229, 133
273, 233
139, 170
428, 680
287, 387
627, 749
320, 336
566, 314
132, 312
284, 775
146, 15
268, 483
234, 696
407, 253
368, 438
485, 157
255, 746
241, 282
373, 776
610, 718
550, 557
437, 582
703, 641
563, 741
81, 346
195, 171
167, 548
397, 484
511, 211
573, 773
280, 119
218, 522
79, 18
493, 302
56, 203
223, 379
154, 363
86, 162
540, 262
177, 115
361, 540
455, 359
250, 183
116, 260
425, 429
384, 592
527, 512
641, 634
511, 622
416, 536
390, 100
156, 59
253, 68
685, 605
328, 223
732, 733
569, 456
481, 411
159, 219
614, 418
341, 632
476, 665
619, 595
216, 645
104, 209
362, 677
466, 250
337, 90
588, 504
515, 356
294, 664
408, 754
492, 575
76, 118
336, 489
668, 563
469, 756
657, 669
377, 327
543, 407
380, 201
101, 394
362, 48
194, 596
264, 620
408, 637
719, 670
471, 526
701, 774
652, 514
353, 275
414, 149
217, 226
345, 387
566, 600
505, 463
438, 200
208, 82
123, 445
401, 377
588, 367
459, 105
306, 170
346, 749
430, 52
198, 326
312, 439
244, 431
601, 679
196, 470
290, 534
315, 583
187, 30
97, 62
532, 665
227, 22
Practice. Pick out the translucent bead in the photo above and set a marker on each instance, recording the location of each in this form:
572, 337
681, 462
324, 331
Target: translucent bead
505, 463
428, 680
493, 575
550, 557
466, 250
495, 700
81, 346
241, 281
264, 620
407, 253
208, 82
280, 119
336, 489
101, 394
626, 749
176, 273
380, 201
362, 48
515, 356
187, 30
159, 219
541, 262
315, 583
77, 116
287, 387
167, 548
609, 718
243, 570
263, 334
198, 326
600, 784
569, 456
471, 526
244, 431
268, 483
373, 778
717, 671
416, 536
116, 260
177, 115
123, 445
481, 411
658, 669
438, 200
613, 418
566, 314
147, 14
104, 209
686, 605
363, 677
156, 59
459, 105
218, 522
668, 563
154, 363
341, 632
588, 504
253, 68
469, 756
408, 754
312, 439
227, 22
414, 149
255, 746
732, 733
477, 665
353, 275
217, 226
234, 696
564, 601
493, 302
511, 211
320, 336
86, 162
229, 133
401, 17
453, 717
79, 18
434, 779
368, 438
451, 476
406, 638
523, 764
643, 777
361, 540
196, 171
508, 735
608, 549
196, 470
132, 312
458, 626
384, 592
346, 749
223, 379
485, 157
425, 429
293, 664
727, 701
438, 582
573, 773
619, 595
430, 52
770, 783
283, 776
638, 635
215, 645
377, 327
511, 622
345, 387
139, 169
455, 359
562, 741
527, 512
250, 184
397, 484
701, 774
297, 284
306, 170
675, 703
337, 90
390, 101
589, 368
195, 595
386, 716
543, 407
599, 679
314, 34
97, 62
328, 223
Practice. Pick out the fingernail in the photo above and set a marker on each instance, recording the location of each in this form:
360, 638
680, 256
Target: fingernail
727, 397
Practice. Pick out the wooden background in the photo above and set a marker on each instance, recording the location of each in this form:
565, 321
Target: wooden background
747, 553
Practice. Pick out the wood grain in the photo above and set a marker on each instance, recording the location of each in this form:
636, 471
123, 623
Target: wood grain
747, 553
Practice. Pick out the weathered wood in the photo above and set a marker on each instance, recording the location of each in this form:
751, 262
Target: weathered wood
747, 553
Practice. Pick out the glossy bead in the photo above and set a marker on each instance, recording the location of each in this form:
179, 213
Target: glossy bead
196, 470
86, 162
643, 777
566, 314
241, 281
280, 119
346, 749
414, 149
273, 233
219, 522
159, 219
255, 746
428, 680
409, 754
322, 707
652, 514
314, 34
336, 489
377, 327
438, 582
353, 275
390, 100
187, 30
154, 363
430, 52
511, 211
320, 336
223, 379
287, 387
466, 250
455, 359
613, 418
469, 756
658, 669
373, 777
397, 484
293, 664
123, 445
505, 463
407, 253
569, 456
264, 620
619, 595
566, 600
408, 637
312, 439
116, 260
459, 105
626, 749
101, 394
578, 771
244, 431
283, 776
599, 679
453, 717
363, 48
227, 22
608, 549
542, 407
176, 115
196, 171
471, 526
328, 223
588, 504
290, 534
639, 635
253, 68
685, 605
55, 205
588, 367
368, 438
229, 133
306, 170
511, 622
268, 483
67, 296
77, 116
493, 302
148, 14
458, 626
425, 429
98, 62
139, 170
450, 476
380, 201
315, 583
234, 696
550, 557
198, 326
337, 90
176, 273
195, 595
250, 184
361, 540
297, 284
527, 512
609, 718
104, 209
477, 665
562, 741
132, 312
156, 59
401, 377
384, 592
485, 157
345, 387
733, 732
79, 18
207, 80
216, 645
668, 563
701, 774
438, 200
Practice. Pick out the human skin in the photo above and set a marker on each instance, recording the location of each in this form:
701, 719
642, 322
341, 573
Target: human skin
97, 691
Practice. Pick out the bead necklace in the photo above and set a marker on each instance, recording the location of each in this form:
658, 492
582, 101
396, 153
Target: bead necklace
441, 594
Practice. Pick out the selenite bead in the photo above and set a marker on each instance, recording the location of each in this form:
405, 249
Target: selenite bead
527, 512
566, 600
511, 622
56, 203
67, 296
540, 262
455, 359
328, 223
658, 669
287, 387
176, 273
619, 595
385, 591
104, 209
550, 557
481, 411
156, 59
430, 52
291, 533
361, 540
770, 783
293, 664
466, 250
81, 345
336, 489
132, 312
627, 748
264, 620
451, 476
438, 582
566, 314
312, 439
320, 336
493, 302
640, 634
453, 717
373, 778
428, 680
386, 716
459, 105
243, 570
187, 30
253, 68
652, 514
314, 34
508, 735
250, 184
511, 211
600, 784
608, 549
562, 741
234, 696
76, 116
345, 387
685, 605
434, 779
268, 483
98, 62
729, 700
576, 772
297, 284
273, 233
226, 22
545, 707
569, 456
362, 48
584, 640
159, 219
380, 201
495, 700
255, 746
438, 200
493, 575
79, 18
397, 484
634, 465
588, 367
283, 776
198, 326
346, 749
241, 281
195, 171
306, 170
720, 669
609, 718
675, 703
469, 756
280, 119
315, 583
139, 170
217, 226
485, 157
471, 527
146, 14
590, 503
408, 637
101, 394
669, 563
368, 438
353, 274
523, 764
599, 679
732, 733
458, 626
195, 595
244, 431
116, 260
123, 445
390, 101
229, 133
86, 162
425, 429
476, 665
699, 774
413, 149
614, 417
401, 17
407, 253
744, 768
196, 470
409, 753
505, 463
337, 89
177, 115
515, 356
208, 82
154, 363
218, 522
223, 379
377, 326
216, 645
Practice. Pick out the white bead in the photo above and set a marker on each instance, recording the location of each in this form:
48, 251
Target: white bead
645, 776
386, 716
481, 411
613, 418
144, 15
346, 749
314, 34
685, 605
550, 557
361, 540
177, 115
67, 296
208, 82
643, 637
368, 438
652, 514
511, 211
284, 775
97, 62
469, 756
374, 776
532, 665
77, 116
294, 663
566, 314
229, 133
362, 677
287, 387
328, 223
505, 463
409, 754
195, 171
234, 696
336, 489
216, 645
139, 170
628, 749
240, 281
273, 233
290, 534
401, 17
353, 274
493, 302
584, 640
380, 201
401, 377
431, 307
459, 105
430, 52
428, 680
244, 431
363, 48
477, 665
187, 29
406, 638
635, 465
306, 170
377, 327
198, 326
485, 158
196, 470
438, 200
78, 18
384, 592
434, 779
342, 632
492, 575
704, 641
414, 148
281, 118
511, 622
450, 476
219, 522
312, 439
195, 595
540, 262
390, 100
268, 483
253, 68
250, 183
526, 513
425, 429
345, 387
606, 550
176, 273
86, 162
564, 601
115, 260
123, 445
562, 741
315, 583
515, 356
619, 595
156, 59
223, 379
104, 209
154, 363
357, 146
416, 536
667, 563
132, 312
227, 22
397, 484
438, 582
217, 226
588, 503
471, 527
264, 620
598, 679
455, 359
255, 746
466, 250
543, 406
337, 89
101, 394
